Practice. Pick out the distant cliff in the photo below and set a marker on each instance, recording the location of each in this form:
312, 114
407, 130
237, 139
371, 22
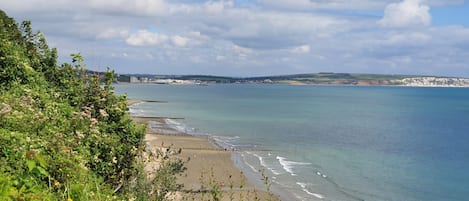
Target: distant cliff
306, 79
435, 82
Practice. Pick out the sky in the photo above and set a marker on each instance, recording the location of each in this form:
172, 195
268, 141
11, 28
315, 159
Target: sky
256, 37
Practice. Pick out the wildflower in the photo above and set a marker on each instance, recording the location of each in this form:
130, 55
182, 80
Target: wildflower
80, 135
56, 184
94, 130
69, 199
114, 160
26, 99
96, 159
86, 108
103, 113
5, 108
94, 121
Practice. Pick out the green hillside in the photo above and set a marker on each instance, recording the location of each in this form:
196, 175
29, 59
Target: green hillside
64, 134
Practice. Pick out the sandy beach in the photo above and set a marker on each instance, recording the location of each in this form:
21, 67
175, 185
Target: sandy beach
206, 164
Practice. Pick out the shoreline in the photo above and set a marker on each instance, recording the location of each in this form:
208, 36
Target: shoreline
328, 158
207, 163
307, 84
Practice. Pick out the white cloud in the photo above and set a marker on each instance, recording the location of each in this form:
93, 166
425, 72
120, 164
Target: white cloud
196, 38
408, 13
179, 41
325, 4
408, 38
303, 49
146, 38
258, 37
150, 56
136, 7
196, 59
35, 5
356, 5
197, 35
213, 8
274, 30
113, 33
241, 52
220, 58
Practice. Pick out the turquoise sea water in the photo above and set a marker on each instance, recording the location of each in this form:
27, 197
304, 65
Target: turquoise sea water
331, 142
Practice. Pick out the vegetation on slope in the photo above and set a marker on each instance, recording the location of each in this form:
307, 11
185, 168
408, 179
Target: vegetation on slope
311, 78
65, 135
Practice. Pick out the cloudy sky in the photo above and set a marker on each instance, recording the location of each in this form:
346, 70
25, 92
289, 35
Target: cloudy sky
256, 37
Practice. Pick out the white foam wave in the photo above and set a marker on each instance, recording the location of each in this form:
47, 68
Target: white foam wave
262, 162
288, 165
224, 142
305, 189
162, 128
177, 126
249, 165
321, 174
230, 137
135, 104
136, 112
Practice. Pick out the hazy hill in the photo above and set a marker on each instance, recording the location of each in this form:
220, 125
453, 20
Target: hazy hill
324, 78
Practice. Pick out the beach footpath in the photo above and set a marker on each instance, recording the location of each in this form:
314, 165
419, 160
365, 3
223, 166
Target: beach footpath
210, 174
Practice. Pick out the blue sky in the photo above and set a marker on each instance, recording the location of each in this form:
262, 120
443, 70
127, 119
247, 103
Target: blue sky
257, 37
451, 15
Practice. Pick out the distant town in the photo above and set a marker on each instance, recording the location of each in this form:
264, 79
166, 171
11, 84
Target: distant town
325, 78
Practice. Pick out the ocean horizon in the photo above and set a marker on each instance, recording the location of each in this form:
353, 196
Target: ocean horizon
329, 142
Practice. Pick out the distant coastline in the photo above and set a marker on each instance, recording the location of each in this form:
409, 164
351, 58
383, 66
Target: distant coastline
302, 79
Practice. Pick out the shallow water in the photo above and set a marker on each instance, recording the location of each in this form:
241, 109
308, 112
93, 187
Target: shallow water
331, 142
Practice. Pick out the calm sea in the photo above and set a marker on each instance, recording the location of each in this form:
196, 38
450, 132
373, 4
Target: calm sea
331, 142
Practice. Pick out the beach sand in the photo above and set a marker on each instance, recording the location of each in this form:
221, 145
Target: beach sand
131, 102
206, 164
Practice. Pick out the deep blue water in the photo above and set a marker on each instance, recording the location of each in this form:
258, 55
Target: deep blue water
332, 142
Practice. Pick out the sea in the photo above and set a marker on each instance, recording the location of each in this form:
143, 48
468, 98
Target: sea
336, 143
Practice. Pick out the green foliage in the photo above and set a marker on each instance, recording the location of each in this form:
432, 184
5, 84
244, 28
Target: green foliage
64, 134
159, 181
22, 53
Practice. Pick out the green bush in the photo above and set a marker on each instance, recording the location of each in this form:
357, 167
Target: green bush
64, 134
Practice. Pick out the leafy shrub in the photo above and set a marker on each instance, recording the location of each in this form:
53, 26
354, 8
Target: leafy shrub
64, 134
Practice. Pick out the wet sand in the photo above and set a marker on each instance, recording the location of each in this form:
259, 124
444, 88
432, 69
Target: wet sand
206, 164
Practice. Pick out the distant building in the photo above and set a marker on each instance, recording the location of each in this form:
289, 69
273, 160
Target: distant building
134, 79
163, 81
123, 78
436, 81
